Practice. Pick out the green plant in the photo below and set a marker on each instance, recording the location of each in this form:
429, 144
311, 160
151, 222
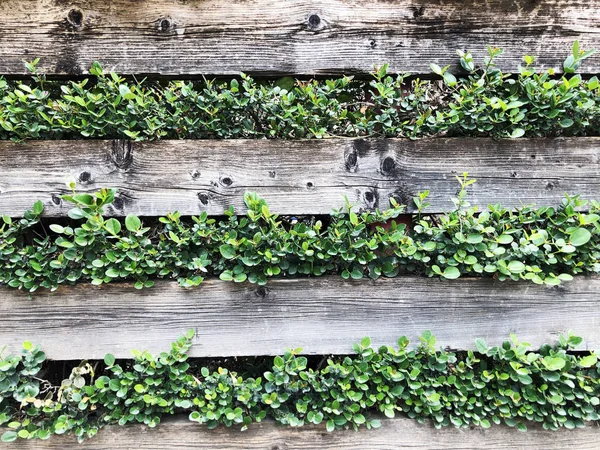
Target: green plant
543, 245
484, 102
508, 384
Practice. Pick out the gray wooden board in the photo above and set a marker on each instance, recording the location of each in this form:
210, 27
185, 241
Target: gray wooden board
321, 315
174, 37
296, 177
182, 434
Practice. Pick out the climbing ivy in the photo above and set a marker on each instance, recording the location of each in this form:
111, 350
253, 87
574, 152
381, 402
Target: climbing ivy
544, 245
508, 384
481, 101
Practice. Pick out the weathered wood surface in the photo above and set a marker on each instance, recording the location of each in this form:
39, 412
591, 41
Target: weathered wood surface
321, 315
173, 37
297, 177
180, 433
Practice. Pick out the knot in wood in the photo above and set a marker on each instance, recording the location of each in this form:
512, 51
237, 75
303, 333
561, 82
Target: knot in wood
226, 181
122, 154
371, 198
118, 203
85, 177
351, 160
203, 198
388, 166
56, 199
165, 24
418, 12
314, 21
75, 18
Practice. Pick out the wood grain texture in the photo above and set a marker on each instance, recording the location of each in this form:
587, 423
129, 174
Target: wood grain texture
268, 37
296, 177
321, 315
179, 433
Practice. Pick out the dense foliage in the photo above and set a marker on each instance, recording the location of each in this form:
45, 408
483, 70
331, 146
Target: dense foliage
481, 102
506, 384
544, 245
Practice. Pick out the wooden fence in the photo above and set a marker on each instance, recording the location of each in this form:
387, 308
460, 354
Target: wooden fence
324, 315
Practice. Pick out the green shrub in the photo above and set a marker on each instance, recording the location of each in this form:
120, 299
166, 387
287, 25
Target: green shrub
507, 385
543, 245
483, 102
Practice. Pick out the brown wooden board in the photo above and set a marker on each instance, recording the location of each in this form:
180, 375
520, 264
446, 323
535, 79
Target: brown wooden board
321, 315
270, 37
182, 434
297, 177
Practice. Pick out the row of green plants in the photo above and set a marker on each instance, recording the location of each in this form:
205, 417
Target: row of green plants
544, 245
482, 101
508, 384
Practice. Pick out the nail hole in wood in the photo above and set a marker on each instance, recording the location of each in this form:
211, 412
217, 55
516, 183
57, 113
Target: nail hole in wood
194, 174
272, 174
226, 181
310, 185
513, 174
261, 292
75, 18
373, 43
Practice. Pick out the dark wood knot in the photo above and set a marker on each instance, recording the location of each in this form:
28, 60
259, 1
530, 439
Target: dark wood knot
85, 177
203, 198
56, 199
75, 18
226, 181
165, 24
388, 166
314, 21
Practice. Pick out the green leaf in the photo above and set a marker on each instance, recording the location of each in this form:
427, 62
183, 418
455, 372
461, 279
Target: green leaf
109, 360
588, 361
330, 426
474, 238
451, 273
113, 226
133, 223
505, 239
227, 251
38, 208
516, 267
9, 436
57, 228
226, 276
554, 363
481, 346
517, 133
580, 237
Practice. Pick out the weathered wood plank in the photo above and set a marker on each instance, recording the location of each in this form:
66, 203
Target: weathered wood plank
182, 434
297, 177
172, 37
321, 315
